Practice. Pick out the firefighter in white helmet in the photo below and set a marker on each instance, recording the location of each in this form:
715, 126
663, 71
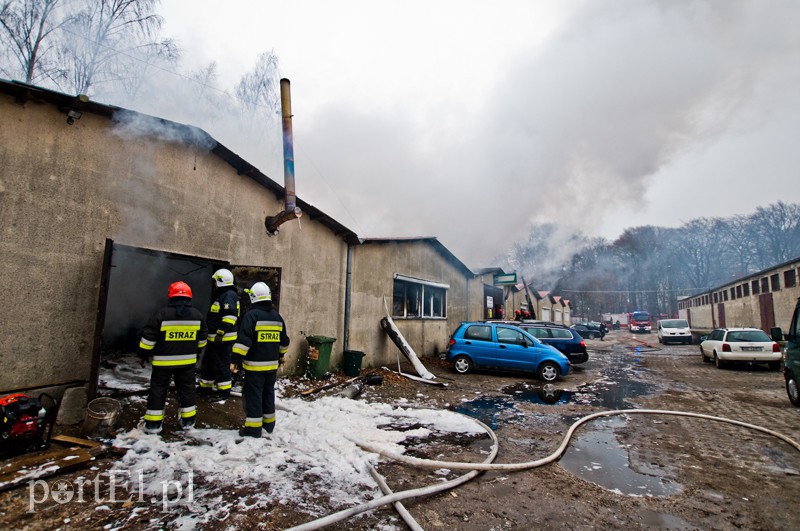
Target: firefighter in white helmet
222, 318
260, 349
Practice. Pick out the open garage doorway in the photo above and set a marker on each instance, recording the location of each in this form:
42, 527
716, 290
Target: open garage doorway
133, 287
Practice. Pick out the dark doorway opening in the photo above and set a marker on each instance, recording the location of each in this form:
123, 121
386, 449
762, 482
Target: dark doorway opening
134, 286
492, 302
137, 286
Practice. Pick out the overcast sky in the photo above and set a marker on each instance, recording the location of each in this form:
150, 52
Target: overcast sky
467, 120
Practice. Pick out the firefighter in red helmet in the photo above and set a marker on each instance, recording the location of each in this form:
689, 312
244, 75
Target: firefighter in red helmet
171, 341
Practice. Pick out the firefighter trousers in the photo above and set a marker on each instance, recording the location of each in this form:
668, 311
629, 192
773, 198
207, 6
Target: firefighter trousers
215, 372
159, 384
258, 396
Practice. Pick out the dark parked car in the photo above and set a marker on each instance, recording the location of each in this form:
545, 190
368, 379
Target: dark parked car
588, 330
491, 345
567, 341
791, 356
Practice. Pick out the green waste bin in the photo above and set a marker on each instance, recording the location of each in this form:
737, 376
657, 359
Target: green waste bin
319, 356
352, 362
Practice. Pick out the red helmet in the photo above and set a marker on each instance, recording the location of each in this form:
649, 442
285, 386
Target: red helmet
179, 289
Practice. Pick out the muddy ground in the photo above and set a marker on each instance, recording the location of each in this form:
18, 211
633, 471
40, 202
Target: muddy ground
634, 472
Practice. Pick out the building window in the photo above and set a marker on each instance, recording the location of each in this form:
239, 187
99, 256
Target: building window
775, 280
715, 298
746, 289
418, 299
789, 278
755, 287
765, 285
733, 294
724, 295
739, 292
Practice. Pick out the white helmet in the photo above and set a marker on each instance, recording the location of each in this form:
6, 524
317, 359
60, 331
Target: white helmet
259, 292
223, 277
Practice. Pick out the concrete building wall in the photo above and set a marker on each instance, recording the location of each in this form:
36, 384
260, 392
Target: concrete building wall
374, 267
65, 189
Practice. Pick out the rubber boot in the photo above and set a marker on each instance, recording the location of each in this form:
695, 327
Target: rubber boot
250, 432
152, 426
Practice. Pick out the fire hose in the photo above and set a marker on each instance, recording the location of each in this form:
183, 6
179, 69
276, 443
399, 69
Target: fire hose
476, 468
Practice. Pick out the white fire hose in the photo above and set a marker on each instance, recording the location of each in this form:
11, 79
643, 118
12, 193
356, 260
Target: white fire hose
476, 468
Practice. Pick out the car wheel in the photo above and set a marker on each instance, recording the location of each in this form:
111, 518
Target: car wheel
718, 362
462, 364
548, 371
661, 341
592, 336
792, 390
774, 365
705, 358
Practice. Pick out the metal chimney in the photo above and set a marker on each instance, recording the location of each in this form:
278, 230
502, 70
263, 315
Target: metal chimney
291, 210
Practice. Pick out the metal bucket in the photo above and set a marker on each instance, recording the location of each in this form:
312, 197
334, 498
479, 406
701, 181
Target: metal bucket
101, 415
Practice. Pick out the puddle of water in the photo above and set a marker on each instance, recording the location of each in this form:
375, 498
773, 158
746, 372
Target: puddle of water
490, 410
598, 457
547, 394
613, 392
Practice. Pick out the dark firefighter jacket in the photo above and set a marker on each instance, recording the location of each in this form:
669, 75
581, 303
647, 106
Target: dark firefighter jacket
174, 335
224, 313
262, 338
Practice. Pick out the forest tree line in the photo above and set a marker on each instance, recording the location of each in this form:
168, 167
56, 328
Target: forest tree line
648, 267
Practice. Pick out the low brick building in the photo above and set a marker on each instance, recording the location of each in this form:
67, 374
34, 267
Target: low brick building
762, 300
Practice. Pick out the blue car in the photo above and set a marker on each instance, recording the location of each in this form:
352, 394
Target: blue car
506, 347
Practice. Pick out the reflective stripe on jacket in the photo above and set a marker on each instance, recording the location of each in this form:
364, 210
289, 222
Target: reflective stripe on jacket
174, 340
223, 315
262, 338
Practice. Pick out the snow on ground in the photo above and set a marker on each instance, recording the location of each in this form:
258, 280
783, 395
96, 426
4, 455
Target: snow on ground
311, 449
124, 374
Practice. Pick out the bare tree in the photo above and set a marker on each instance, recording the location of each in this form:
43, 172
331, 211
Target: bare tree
106, 35
259, 90
777, 228
29, 25
741, 245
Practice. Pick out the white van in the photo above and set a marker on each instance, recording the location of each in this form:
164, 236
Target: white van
674, 331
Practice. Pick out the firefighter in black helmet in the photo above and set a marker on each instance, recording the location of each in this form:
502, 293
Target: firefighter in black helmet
215, 374
172, 339
259, 351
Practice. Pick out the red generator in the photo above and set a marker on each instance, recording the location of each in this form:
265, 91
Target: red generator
27, 423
